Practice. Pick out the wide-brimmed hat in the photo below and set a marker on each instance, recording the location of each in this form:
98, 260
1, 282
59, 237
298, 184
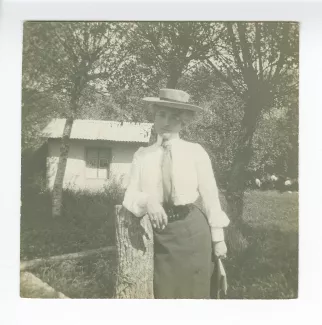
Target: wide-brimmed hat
173, 98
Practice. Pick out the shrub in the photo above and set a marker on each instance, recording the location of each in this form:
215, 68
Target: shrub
114, 192
87, 220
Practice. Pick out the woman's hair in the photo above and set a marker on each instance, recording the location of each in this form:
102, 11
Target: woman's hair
185, 115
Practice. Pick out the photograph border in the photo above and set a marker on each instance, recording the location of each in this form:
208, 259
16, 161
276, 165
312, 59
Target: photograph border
17, 310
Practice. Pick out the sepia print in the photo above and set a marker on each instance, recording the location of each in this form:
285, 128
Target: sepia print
160, 160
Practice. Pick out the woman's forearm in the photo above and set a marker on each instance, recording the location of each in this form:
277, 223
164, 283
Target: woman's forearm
209, 193
135, 202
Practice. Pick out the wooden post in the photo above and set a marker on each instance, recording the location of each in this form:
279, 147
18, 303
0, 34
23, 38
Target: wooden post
134, 247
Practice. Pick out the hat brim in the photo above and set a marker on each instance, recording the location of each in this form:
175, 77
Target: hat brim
178, 105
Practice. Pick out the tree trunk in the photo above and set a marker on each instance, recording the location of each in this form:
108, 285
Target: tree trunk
237, 179
134, 246
174, 75
172, 82
57, 193
236, 183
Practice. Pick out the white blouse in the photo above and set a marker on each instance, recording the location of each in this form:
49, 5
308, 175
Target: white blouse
192, 176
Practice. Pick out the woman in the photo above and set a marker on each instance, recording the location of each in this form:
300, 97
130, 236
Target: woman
173, 182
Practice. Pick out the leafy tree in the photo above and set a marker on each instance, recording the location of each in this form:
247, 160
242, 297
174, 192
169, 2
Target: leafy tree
259, 62
169, 50
275, 144
65, 58
244, 74
217, 126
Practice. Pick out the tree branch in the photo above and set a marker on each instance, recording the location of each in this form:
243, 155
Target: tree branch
151, 38
234, 46
75, 40
228, 81
279, 63
258, 48
244, 45
66, 46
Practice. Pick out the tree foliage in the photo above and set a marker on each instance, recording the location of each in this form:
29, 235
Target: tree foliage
259, 62
244, 74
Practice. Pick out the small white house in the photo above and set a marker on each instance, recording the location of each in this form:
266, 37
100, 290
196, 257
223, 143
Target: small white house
100, 151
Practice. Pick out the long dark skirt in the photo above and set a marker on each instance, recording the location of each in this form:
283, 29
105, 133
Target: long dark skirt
183, 263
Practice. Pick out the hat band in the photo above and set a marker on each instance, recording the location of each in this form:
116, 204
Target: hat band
173, 100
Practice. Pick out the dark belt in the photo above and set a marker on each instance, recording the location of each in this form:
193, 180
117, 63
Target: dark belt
177, 212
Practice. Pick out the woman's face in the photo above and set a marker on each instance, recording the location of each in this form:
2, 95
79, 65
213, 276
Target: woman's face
167, 121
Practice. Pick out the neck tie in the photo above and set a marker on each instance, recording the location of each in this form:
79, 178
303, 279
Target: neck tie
166, 171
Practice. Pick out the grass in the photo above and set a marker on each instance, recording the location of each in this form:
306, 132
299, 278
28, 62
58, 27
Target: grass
91, 277
86, 223
268, 269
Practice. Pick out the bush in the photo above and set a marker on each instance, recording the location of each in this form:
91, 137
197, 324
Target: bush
114, 192
87, 221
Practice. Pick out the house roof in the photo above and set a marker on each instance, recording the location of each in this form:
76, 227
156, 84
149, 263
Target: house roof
101, 130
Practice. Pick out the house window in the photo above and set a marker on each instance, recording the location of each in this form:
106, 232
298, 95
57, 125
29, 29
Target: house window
98, 163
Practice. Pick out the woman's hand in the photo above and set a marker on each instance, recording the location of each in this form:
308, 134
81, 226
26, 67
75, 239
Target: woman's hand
156, 213
220, 249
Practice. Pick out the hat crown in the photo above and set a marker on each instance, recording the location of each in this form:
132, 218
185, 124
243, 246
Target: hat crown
175, 95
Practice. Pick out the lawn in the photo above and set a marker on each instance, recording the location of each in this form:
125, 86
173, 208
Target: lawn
268, 269
91, 277
86, 223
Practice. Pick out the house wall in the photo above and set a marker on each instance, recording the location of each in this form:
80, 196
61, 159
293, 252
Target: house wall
75, 175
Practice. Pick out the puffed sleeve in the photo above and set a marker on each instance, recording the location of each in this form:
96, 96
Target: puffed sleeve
209, 193
134, 199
